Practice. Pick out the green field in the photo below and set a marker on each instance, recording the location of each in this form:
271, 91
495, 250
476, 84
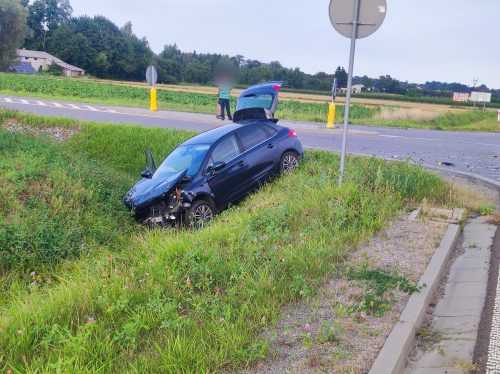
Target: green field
85, 289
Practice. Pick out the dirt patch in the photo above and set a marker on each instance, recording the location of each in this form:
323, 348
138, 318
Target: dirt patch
57, 133
330, 333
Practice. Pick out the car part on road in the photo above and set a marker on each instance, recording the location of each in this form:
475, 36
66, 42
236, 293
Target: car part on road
442, 163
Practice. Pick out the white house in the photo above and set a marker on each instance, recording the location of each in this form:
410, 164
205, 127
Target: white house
42, 61
356, 88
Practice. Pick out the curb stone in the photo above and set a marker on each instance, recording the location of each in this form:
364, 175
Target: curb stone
392, 358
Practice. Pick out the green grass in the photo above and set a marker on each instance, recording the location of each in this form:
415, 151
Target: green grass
477, 120
135, 300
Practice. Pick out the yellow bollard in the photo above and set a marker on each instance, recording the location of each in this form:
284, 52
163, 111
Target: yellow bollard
331, 116
153, 106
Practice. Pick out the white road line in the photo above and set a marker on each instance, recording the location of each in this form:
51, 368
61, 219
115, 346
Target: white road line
91, 108
41, 103
437, 140
7, 100
24, 101
57, 105
72, 106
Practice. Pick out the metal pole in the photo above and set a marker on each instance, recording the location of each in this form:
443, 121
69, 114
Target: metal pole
354, 36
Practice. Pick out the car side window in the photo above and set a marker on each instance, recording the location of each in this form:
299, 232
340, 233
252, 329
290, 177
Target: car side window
270, 130
252, 135
225, 151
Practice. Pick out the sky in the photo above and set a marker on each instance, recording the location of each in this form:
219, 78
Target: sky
420, 40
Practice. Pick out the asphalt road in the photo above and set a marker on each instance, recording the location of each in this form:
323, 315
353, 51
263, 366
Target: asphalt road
474, 153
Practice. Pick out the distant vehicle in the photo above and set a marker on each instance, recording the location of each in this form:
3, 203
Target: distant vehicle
207, 173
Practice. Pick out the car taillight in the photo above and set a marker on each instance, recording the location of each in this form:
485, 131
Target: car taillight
293, 134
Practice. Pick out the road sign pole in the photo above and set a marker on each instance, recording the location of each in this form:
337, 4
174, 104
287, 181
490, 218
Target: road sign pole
354, 36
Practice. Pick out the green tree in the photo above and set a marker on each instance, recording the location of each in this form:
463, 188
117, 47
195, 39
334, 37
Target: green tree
197, 72
45, 16
367, 82
341, 76
12, 30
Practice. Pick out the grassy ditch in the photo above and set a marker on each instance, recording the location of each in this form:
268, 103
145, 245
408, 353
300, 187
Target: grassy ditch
85, 289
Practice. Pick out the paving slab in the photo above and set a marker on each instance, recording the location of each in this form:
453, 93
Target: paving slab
464, 327
459, 306
448, 354
468, 275
447, 370
464, 289
473, 262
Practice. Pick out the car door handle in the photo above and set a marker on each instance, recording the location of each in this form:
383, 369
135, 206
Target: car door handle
241, 163
270, 145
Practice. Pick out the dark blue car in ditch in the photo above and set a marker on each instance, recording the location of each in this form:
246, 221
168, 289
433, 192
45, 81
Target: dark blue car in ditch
216, 168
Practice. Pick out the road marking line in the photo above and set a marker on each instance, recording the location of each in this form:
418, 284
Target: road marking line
7, 100
57, 105
41, 103
73, 106
437, 140
91, 108
24, 101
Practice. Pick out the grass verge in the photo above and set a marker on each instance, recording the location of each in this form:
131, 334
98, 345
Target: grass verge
477, 120
94, 292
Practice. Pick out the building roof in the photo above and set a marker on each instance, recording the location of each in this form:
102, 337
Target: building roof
70, 67
23, 67
37, 54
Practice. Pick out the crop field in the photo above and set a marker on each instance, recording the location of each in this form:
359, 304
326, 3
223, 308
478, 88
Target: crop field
86, 289
293, 106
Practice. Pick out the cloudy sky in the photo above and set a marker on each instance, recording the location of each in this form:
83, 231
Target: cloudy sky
421, 40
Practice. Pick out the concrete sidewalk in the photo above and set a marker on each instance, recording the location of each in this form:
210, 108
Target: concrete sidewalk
458, 313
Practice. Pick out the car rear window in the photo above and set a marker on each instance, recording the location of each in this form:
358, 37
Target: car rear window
225, 151
250, 136
258, 100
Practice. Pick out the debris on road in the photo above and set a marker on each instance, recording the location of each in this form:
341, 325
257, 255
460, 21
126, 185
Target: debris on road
443, 163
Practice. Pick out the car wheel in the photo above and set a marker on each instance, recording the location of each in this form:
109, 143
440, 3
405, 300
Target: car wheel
199, 214
289, 162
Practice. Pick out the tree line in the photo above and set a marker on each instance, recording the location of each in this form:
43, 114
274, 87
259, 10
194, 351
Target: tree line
108, 51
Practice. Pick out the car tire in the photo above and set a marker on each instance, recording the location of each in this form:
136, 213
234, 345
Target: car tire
199, 214
289, 162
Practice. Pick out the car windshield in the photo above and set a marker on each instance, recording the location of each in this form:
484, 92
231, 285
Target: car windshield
184, 157
263, 100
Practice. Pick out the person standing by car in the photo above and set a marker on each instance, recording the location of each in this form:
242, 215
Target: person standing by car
225, 100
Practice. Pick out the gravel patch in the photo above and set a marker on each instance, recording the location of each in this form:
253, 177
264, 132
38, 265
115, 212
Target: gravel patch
57, 133
327, 333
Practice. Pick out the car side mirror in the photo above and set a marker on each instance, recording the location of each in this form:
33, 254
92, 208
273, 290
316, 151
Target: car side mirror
216, 167
147, 174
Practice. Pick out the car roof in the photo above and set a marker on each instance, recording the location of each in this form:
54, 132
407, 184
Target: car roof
211, 136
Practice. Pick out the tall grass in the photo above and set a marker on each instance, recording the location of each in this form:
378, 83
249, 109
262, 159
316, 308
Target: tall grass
477, 120
177, 301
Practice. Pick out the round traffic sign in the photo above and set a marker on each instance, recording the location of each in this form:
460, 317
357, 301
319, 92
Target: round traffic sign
151, 75
371, 16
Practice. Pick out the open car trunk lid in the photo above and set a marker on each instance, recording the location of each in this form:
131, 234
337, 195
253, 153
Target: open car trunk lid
258, 102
